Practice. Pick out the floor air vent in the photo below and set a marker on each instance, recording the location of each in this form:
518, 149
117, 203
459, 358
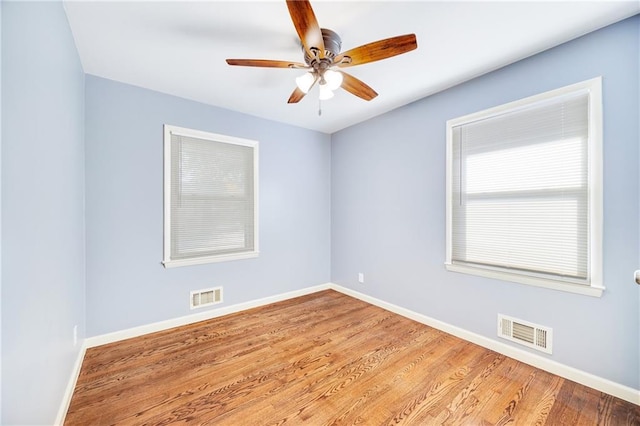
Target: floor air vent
206, 297
523, 332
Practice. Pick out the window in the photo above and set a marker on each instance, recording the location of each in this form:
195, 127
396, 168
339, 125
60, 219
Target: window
210, 197
524, 191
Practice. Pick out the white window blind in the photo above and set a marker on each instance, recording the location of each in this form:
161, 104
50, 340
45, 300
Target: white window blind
523, 200
210, 197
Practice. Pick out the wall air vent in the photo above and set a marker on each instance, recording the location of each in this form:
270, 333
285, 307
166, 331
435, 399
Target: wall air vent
525, 333
206, 297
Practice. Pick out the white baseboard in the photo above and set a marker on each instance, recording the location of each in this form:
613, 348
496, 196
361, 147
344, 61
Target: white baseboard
604, 385
620, 391
200, 316
71, 385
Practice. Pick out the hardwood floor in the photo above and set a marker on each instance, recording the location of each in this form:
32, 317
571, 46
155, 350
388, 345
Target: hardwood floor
322, 359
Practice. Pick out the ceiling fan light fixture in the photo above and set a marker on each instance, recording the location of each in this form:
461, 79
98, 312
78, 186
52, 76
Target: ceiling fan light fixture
322, 51
325, 92
333, 79
305, 81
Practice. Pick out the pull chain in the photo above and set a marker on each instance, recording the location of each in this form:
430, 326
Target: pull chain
319, 107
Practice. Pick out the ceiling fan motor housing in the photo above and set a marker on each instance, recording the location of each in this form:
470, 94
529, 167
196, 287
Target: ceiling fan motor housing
332, 46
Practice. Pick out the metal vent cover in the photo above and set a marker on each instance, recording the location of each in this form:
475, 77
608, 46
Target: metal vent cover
205, 297
525, 333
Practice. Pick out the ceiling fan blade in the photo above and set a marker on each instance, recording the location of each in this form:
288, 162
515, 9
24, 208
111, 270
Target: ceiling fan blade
307, 26
298, 94
357, 87
377, 50
267, 63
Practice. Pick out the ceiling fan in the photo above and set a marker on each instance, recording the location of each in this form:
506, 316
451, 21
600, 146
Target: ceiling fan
322, 57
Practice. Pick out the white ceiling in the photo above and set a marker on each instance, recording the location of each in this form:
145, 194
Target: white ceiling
180, 48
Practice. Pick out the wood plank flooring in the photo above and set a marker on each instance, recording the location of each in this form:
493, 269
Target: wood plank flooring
324, 359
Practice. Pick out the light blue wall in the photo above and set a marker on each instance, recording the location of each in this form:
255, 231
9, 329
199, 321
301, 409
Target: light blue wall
43, 268
388, 208
0, 212
126, 284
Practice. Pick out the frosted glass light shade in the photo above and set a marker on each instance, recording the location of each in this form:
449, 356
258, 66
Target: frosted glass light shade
333, 79
325, 92
305, 81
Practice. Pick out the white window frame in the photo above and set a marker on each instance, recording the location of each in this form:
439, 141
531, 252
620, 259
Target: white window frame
168, 262
595, 204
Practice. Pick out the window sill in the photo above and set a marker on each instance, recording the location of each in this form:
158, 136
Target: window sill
593, 290
209, 259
